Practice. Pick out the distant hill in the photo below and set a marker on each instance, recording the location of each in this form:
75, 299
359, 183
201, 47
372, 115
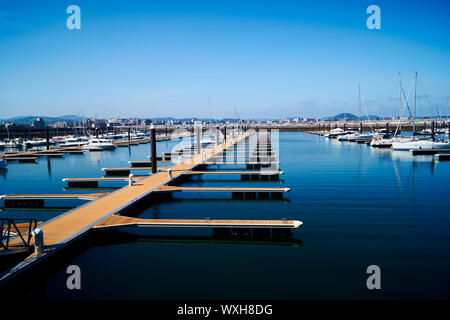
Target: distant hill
48, 120
350, 117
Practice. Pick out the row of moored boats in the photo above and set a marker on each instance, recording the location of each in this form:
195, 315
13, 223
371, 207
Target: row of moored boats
102, 142
384, 139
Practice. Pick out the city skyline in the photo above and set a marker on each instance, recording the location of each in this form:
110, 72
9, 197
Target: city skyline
264, 59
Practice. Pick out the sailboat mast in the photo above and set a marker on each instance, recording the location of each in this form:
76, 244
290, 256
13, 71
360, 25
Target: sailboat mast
359, 103
210, 116
400, 99
448, 110
415, 98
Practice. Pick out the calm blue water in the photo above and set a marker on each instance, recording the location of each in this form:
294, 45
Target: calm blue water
360, 206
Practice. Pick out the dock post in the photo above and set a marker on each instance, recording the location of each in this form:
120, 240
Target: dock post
197, 139
38, 241
129, 134
217, 137
96, 133
246, 145
47, 134
130, 179
433, 128
387, 127
153, 148
360, 127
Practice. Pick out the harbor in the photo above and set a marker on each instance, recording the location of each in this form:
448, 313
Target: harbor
224, 159
197, 211
102, 209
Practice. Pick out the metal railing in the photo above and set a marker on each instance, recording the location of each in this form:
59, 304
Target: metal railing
21, 228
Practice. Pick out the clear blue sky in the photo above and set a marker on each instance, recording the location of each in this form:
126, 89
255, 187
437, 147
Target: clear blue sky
267, 58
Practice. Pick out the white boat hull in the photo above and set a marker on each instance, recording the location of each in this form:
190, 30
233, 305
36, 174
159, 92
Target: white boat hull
420, 144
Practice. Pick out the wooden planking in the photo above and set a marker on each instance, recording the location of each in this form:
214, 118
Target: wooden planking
35, 153
220, 189
121, 221
262, 172
241, 162
89, 196
132, 168
102, 179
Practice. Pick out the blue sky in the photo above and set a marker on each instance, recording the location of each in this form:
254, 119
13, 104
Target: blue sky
266, 58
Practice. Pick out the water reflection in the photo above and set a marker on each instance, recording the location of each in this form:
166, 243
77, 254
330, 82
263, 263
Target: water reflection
49, 167
3, 173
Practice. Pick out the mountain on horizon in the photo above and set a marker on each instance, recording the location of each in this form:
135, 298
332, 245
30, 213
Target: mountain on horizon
350, 117
48, 120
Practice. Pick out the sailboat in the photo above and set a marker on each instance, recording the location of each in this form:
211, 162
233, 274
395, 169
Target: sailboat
407, 144
387, 140
205, 141
358, 136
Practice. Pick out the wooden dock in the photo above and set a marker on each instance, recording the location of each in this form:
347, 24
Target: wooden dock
104, 211
37, 153
90, 196
120, 221
235, 172
220, 189
242, 162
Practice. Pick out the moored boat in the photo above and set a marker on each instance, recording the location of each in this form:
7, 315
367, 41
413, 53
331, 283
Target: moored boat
334, 133
99, 144
412, 144
73, 142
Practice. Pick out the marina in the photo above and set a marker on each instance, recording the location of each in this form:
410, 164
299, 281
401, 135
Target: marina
224, 159
63, 229
307, 189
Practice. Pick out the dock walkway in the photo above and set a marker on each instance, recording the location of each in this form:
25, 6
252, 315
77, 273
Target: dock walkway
63, 229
